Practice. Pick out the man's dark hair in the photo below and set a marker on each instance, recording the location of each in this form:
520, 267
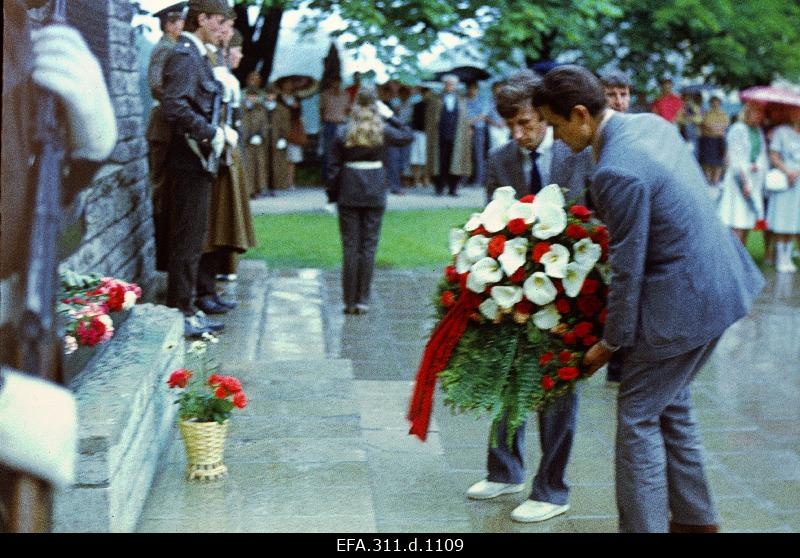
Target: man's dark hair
615, 78
564, 87
515, 93
191, 24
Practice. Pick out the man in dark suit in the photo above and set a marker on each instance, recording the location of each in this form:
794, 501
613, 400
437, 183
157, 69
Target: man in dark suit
679, 279
189, 90
528, 162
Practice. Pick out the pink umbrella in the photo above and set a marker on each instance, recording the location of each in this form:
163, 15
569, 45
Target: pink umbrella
770, 94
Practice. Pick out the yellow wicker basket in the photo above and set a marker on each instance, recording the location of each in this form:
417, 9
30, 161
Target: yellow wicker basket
205, 445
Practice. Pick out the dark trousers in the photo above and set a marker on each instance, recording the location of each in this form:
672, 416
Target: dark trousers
360, 229
191, 198
157, 160
445, 160
212, 264
329, 130
556, 432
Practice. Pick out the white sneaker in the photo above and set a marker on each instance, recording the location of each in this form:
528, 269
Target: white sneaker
531, 511
786, 267
483, 490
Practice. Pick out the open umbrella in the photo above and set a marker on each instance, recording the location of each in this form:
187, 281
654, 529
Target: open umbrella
155, 6
301, 86
778, 101
769, 94
467, 74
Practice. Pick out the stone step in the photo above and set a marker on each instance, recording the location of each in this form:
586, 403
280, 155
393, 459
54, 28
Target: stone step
125, 415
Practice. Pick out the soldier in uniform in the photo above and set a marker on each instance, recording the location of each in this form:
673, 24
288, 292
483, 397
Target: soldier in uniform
190, 89
265, 129
158, 131
38, 419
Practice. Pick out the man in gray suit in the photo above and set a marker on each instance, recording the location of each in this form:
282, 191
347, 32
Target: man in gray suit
529, 161
679, 279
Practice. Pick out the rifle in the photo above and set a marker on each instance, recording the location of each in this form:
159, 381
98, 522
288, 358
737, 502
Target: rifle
212, 164
40, 349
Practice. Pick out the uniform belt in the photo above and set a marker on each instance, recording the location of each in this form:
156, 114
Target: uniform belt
364, 165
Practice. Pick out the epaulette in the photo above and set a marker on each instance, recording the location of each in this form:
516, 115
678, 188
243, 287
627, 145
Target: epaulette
184, 47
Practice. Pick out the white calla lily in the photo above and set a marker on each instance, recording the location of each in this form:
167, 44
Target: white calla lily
506, 194
506, 296
476, 247
458, 237
473, 223
550, 195
550, 220
514, 255
495, 216
489, 308
539, 289
463, 262
587, 253
546, 318
573, 278
484, 271
555, 261
522, 211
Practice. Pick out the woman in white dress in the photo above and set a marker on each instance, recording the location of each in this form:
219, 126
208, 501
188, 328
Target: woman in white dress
741, 202
784, 207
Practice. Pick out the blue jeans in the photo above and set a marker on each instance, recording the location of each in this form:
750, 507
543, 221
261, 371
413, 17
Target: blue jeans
556, 432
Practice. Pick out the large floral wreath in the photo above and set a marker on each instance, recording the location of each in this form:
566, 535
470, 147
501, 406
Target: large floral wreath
521, 303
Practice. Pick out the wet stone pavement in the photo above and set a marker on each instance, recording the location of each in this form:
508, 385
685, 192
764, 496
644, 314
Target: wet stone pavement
747, 402
323, 444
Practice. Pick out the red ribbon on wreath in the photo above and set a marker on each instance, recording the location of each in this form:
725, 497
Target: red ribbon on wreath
443, 340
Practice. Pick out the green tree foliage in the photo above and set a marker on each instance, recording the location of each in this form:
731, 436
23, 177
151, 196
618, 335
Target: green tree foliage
731, 43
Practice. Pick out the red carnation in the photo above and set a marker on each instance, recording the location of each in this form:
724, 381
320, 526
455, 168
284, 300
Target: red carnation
517, 226
179, 378
562, 305
447, 299
602, 316
479, 230
545, 358
570, 338
590, 286
539, 250
564, 356
240, 400
576, 231
524, 307
581, 212
548, 383
559, 287
527, 199
589, 305
599, 234
496, 245
518, 276
231, 384
761, 225
590, 340
214, 379
568, 373
116, 298
451, 274
221, 392
582, 329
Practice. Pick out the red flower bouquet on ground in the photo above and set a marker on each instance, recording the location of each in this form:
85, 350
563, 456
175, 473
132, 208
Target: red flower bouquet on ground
521, 303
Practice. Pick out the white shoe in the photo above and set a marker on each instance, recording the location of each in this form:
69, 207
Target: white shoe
483, 490
531, 511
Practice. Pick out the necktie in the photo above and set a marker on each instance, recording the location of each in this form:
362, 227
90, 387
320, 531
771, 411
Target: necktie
536, 178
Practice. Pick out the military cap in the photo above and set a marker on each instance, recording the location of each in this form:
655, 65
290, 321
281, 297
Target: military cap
210, 7
171, 13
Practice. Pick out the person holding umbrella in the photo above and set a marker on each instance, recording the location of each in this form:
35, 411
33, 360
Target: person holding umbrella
741, 204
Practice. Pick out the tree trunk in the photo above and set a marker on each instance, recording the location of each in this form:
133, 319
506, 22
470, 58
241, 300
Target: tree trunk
259, 54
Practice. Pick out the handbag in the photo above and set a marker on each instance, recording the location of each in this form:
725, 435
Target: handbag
776, 181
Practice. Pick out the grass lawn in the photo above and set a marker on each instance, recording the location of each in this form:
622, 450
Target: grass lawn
409, 239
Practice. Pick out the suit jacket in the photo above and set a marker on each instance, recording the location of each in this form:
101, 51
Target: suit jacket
569, 170
679, 277
461, 162
189, 89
